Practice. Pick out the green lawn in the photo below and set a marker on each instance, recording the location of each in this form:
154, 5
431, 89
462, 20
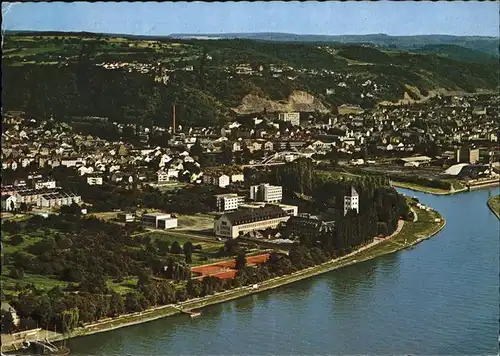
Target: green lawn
494, 204
419, 188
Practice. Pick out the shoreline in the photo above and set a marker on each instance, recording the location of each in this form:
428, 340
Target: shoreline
377, 249
441, 192
490, 205
427, 190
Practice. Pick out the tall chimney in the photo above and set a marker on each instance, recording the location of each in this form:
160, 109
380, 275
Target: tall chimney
173, 118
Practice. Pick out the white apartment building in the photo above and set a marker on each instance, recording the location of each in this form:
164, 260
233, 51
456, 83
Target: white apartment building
266, 193
220, 180
351, 201
292, 117
227, 202
94, 180
49, 184
239, 177
162, 177
233, 224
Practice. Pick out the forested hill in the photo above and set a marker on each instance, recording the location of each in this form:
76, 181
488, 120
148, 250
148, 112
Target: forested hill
137, 80
485, 44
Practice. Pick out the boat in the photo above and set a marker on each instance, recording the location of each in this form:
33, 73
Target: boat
194, 314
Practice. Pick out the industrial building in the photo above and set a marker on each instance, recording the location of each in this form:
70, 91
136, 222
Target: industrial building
125, 217
467, 155
159, 220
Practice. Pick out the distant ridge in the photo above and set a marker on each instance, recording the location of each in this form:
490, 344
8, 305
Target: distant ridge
485, 44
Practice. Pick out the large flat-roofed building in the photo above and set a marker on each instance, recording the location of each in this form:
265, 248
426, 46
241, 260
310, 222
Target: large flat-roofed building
309, 226
231, 225
228, 202
467, 155
159, 220
125, 217
291, 210
266, 193
291, 117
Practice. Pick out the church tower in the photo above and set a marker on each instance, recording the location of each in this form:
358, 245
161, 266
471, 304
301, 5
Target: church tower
351, 201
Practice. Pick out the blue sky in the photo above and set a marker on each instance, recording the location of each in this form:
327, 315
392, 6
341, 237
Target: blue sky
328, 18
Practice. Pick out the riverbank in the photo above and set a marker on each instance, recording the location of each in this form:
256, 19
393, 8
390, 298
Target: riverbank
407, 234
428, 190
494, 205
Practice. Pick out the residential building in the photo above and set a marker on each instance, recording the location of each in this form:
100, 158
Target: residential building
227, 202
266, 193
49, 184
8, 202
220, 180
351, 201
57, 199
94, 180
162, 177
238, 177
467, 155
232, 225
292, 117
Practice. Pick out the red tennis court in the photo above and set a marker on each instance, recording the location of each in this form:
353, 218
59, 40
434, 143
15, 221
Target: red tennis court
226, 269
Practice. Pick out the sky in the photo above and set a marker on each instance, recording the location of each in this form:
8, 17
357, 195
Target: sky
322, 18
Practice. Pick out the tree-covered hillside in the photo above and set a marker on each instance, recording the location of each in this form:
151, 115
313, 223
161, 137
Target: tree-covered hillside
138, 80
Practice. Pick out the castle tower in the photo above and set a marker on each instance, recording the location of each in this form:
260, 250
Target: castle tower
351, 201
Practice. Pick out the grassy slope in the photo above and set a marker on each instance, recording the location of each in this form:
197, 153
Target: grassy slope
494, 205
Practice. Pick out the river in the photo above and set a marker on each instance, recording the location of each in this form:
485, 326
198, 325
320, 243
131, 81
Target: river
439, 298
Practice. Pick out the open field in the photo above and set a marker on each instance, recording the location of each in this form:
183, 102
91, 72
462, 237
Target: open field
494, 205
198, 222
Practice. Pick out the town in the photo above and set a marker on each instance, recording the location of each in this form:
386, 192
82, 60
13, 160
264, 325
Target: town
105, 219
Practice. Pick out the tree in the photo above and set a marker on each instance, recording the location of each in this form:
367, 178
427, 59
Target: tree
196, 150
162, 246
240, 261
17, 273
70, 319
176, 248
188, 251
7, 322
16, 240
227, 154
194, 288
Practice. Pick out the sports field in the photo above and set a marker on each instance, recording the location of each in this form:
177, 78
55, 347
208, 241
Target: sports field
226, 269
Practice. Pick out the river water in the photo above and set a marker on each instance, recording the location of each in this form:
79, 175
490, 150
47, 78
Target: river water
439, 298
